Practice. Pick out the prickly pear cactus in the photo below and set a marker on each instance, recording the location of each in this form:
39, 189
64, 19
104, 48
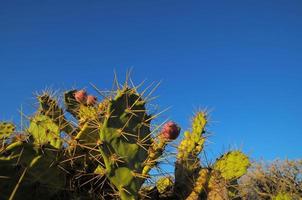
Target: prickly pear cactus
106, 149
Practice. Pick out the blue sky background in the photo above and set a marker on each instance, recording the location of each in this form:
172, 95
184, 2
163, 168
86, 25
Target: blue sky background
240, 59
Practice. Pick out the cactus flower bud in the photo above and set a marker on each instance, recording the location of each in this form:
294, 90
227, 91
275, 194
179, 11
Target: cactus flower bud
170, 130
80, 96
91, 100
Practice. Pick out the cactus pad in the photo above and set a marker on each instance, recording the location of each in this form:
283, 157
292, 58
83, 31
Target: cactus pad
49, 107
45, 131
125, 139
232, 165
6, 129
282, 196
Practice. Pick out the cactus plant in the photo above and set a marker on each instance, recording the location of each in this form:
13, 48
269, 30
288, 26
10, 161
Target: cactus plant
108, 153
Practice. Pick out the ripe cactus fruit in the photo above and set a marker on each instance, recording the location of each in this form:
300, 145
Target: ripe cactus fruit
6, 129
80, 110
91, 100
170, 131
71, 104
154, 152
80, 96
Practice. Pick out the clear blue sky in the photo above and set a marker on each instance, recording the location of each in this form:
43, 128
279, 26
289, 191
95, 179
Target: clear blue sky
240, 59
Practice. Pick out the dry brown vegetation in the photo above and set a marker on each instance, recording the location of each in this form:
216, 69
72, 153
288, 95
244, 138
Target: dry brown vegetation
268, 180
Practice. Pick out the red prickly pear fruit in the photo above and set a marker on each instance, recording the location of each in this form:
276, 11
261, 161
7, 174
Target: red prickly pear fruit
91, 100
170, 130
80, 96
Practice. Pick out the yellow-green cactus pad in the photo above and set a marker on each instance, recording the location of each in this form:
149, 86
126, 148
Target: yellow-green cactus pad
164, 183
45, 131
6, 129
282, 196
87, 113
232, 165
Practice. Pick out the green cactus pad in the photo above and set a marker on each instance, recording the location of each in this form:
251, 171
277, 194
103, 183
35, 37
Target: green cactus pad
45, 131
41, 171
87, 113
125, 139
88, 134
49, 107
6, 129
89, 125
232, 165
